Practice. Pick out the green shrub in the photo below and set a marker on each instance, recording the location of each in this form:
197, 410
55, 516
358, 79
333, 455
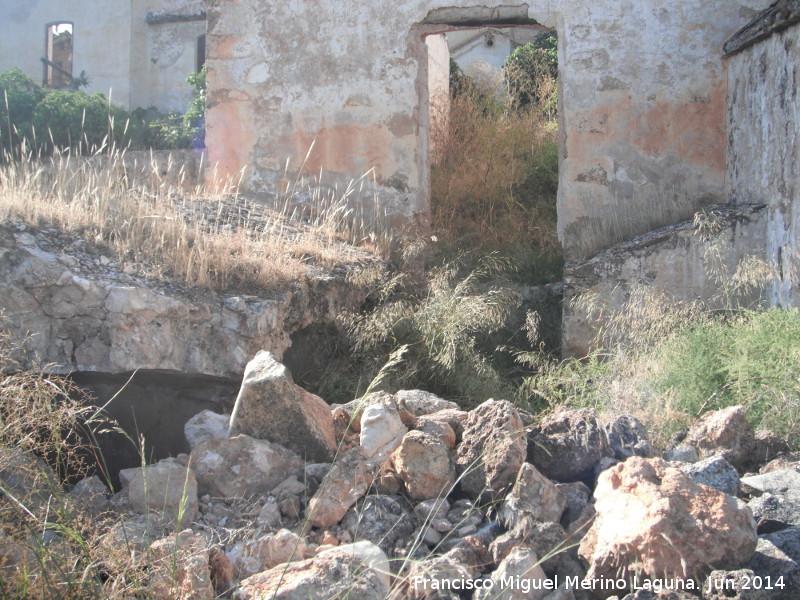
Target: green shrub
194, 121
532, 73
78, 120
19, 95
752, 359
441, 325
159, 130
58, 119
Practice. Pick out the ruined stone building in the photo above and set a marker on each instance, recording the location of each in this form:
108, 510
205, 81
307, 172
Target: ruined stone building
663, 110
657, 120
138, 52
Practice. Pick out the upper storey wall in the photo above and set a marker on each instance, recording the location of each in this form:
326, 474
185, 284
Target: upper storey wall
643, 90
101, 40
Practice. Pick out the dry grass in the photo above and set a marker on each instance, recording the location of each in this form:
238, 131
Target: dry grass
203, 235
489, 175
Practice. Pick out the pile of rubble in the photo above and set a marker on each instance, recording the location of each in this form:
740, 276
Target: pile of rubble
406, 496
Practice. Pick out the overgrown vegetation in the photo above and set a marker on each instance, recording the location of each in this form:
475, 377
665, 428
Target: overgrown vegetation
41, 121
440, 328
162, 226
495, 165
669, 361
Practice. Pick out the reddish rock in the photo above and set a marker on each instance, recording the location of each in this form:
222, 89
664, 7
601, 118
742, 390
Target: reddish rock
438, 428
533, 496
724, 432
423, 464
179, 568
654, 521
348, 480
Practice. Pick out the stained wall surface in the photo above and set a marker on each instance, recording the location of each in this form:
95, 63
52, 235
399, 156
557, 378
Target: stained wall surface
643, 90
764, 147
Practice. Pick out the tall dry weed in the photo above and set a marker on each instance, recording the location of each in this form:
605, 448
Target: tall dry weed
494, 175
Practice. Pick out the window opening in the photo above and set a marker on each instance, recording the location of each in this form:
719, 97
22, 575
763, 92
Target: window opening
58, 55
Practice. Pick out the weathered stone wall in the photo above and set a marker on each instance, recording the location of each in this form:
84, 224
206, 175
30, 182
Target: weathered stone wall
167, 45
79, 310
676, 260
643, 93
764, 146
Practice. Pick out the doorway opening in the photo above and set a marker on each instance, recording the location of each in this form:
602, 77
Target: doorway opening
492, 103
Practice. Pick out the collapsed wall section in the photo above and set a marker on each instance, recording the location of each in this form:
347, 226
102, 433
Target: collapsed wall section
761, 221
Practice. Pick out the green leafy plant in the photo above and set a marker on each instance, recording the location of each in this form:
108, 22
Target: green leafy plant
532, 73
78, 120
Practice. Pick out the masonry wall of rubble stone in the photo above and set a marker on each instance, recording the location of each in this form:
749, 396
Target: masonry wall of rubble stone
764, 146
343, 88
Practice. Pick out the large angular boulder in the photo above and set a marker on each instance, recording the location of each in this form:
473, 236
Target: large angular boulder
776, 565
206, 425
783, 482
492, 449
271, 407
726, 433
654, 521
242, 466
567, 445
773, 513
348, 479
627, 437
533, 496
331, 574
166, 488
424, 465
715, 472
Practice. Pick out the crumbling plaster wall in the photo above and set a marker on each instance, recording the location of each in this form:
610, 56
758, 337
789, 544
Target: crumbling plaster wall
642, 101
678, 261
764, 147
